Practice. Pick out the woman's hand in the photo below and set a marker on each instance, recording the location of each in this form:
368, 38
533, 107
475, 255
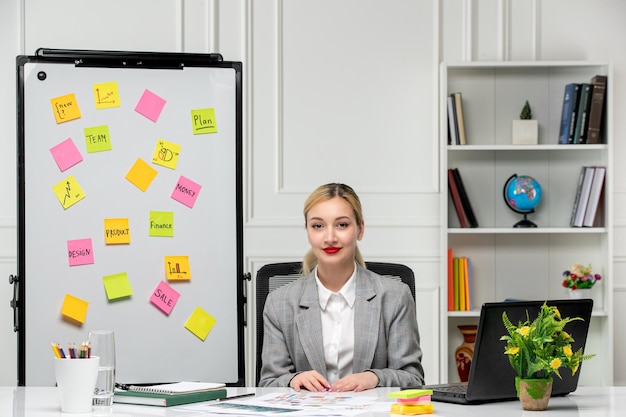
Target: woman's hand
356, 382
310, 380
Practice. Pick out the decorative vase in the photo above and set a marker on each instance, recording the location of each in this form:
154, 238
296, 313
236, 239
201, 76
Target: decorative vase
465, 351
525, 132
579, 293
534, 394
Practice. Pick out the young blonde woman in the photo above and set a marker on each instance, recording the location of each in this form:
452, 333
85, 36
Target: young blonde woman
340, 327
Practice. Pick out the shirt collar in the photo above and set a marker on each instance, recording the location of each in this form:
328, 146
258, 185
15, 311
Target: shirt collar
348, 291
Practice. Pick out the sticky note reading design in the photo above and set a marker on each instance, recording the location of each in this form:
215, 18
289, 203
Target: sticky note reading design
162, 223
166, 154
141, 174
186, 191
106, 95
117, 286
65, 108
150, 105
66, 154
74, 308
200, 323
97, 139
203, 121
164, 297
116, 231
68, 192
80, 252
177, 268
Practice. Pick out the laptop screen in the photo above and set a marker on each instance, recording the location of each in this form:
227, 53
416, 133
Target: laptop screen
491, 375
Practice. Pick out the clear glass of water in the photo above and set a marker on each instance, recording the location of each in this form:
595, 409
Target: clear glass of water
102, 344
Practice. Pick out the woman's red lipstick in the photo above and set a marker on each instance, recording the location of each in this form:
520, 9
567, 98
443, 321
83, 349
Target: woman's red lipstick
331, 249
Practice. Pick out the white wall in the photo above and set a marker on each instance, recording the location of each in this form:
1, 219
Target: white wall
334, 91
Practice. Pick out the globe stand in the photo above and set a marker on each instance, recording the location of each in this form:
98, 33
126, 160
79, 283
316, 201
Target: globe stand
525, 222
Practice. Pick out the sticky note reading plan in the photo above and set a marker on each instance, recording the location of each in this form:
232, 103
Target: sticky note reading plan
200, 323
74, 308
203, 121
186, 191
164, 297
65, 108
66, 154
116, 231
80, 252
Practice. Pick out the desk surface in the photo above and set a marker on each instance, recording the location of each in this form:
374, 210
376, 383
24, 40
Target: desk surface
586, 401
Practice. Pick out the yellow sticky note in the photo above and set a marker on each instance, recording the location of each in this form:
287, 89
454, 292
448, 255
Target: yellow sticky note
117, 286
141, 174
74, 308
65, 108
68, 192
200, 323
97, 139
106, 95
177, 268
161, 223
203, 121
116, 231
166, 154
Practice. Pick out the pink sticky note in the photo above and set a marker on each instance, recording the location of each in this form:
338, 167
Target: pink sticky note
186, 191
150, 105
164, 297
80, 252
66, 154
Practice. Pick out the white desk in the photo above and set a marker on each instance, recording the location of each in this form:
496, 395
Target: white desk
585, 402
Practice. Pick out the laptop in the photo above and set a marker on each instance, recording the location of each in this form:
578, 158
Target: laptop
491, 376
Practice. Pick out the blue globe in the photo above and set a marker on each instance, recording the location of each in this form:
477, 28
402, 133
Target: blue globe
522, 193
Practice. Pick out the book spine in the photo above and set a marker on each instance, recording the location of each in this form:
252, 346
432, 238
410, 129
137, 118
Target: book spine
467, 206
596, 109
584, 197
452, 123
594, 196
458, 101
570, 98
456, 283
450, 280
579, 188
456, 199
580, 133
571, 128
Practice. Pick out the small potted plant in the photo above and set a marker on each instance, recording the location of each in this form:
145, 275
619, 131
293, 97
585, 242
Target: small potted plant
579, 280
537, 349
525, 131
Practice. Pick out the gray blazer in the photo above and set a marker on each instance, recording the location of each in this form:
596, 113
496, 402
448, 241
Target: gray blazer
386, 335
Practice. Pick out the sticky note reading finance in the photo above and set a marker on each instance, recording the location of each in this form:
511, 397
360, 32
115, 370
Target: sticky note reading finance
150, 105
186, 191
141, 174
80, 252
177, 268
166, 154
106, 95
203, 121
200, 323
164, 297
117, 286
65, 108
97, 139
116, 231
74, 308
162, 223
68, 192
66, 154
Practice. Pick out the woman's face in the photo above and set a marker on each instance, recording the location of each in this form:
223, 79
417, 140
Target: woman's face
333, 231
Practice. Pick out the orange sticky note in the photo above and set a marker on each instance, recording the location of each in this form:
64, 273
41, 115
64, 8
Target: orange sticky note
68, 192
116, 231
141, 174
117, 286
166, 154
177, 268
106, 95
74, 308
200, 323
65, 108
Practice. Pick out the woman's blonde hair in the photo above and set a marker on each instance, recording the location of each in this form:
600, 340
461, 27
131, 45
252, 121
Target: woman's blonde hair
323, 193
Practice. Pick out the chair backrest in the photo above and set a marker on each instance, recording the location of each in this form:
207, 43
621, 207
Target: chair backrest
272, 276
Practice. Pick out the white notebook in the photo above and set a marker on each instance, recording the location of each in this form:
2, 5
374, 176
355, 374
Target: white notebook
177, 387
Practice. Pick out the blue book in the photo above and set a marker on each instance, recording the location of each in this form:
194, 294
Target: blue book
568, 116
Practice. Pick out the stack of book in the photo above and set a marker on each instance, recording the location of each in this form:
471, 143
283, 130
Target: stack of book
587, 210
460, 199
456, 122
459, 283
165, 395
411, 402
582, 114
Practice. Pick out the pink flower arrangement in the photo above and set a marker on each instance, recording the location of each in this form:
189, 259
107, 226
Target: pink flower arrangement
579, 277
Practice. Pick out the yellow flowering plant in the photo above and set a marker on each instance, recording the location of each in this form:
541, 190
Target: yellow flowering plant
539, 348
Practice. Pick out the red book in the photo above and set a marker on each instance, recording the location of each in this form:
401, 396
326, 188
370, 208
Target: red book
456, 198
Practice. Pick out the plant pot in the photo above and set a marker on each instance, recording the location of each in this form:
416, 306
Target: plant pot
465, 351
534, 394
525, 132
579, 293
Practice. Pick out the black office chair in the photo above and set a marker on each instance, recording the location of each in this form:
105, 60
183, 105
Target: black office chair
273, 276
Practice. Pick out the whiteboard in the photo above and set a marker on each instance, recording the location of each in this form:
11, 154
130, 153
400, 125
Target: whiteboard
152, 344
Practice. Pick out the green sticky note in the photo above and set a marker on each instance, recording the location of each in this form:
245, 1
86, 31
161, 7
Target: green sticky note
161, 223
97, 139
203, 121
410, 393
117, 286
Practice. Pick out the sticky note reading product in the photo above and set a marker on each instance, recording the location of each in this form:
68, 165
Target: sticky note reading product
74, 308
164, 297
65, 108
106, 95
141, 174
66, 154
186, 191
177, 268
150, 105
203, 121
68, 192
162, 223
200, 323
166, 154
117, 286
97, 139
80, 252
116, 231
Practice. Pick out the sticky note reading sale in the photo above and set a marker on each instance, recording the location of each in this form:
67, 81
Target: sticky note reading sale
186, 191
164, 297
117, 286
203, 121
116, 231
74, 308
80, 252
141, 174
65, 108
66, 154
150, 105
200, 323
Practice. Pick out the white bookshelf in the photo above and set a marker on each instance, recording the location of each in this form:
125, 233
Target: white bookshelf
523, 263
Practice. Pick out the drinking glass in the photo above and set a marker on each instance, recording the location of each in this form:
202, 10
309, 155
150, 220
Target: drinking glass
102, 344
